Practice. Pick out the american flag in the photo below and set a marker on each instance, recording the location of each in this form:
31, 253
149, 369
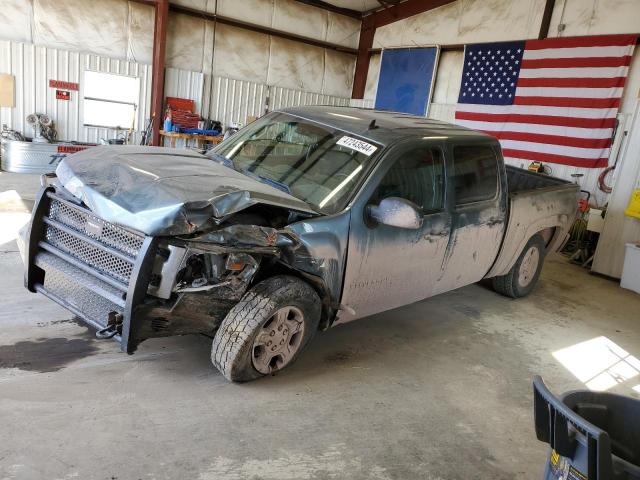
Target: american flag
552, 100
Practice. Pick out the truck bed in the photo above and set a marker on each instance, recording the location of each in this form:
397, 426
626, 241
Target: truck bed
519, 180
537, 202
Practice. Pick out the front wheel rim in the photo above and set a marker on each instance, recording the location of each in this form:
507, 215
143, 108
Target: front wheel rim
278, 340
529, 266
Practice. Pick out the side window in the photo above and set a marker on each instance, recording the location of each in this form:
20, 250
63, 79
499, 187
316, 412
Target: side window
475, 173
417, 176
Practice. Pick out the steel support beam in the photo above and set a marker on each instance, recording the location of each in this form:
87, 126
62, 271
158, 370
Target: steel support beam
332, 8
367, 32
157, 71
378, 19
546, 19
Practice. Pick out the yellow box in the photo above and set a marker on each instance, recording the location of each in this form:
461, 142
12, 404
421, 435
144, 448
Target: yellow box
633, 209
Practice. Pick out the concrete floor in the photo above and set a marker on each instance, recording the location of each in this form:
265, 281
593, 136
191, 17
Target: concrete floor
436, 390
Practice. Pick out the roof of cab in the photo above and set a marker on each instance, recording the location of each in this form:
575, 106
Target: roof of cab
389, 126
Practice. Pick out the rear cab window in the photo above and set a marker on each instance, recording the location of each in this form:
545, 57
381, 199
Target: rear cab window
475, 173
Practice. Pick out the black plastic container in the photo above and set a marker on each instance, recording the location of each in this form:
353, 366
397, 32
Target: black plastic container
593, 435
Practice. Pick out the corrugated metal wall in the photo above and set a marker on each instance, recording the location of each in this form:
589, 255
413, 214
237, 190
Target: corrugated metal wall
232, 101
34, 65
219, 98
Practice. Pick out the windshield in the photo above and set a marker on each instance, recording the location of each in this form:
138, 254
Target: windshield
317, 164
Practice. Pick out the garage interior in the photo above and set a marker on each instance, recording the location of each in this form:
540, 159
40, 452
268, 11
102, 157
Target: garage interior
437, 389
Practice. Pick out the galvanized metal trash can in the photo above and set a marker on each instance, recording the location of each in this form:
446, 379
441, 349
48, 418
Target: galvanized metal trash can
593, 435
33, 157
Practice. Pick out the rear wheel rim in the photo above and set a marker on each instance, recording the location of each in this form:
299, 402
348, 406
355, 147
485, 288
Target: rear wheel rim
528, 266
278, 340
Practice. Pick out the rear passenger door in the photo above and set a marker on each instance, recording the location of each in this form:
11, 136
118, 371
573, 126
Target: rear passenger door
479, 213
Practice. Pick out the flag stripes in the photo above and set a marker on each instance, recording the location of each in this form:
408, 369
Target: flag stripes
557, 101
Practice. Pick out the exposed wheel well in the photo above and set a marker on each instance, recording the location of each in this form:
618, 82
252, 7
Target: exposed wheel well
274, 268
547, 235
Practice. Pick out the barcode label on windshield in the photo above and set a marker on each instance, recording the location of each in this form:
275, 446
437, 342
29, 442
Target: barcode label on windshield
357, 145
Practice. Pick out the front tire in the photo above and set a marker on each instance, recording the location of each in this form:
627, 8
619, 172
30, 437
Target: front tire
524, 274
267, 329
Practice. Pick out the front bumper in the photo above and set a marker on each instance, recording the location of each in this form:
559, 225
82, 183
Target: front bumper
97, 270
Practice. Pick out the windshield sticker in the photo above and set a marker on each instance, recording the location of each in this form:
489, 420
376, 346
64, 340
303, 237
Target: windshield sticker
357, 145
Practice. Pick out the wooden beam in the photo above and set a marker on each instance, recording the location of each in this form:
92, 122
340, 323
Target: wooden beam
157, 73
378, 19
259, 29
546, 19
332, 8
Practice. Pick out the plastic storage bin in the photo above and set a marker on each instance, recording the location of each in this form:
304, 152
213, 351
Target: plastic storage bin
631, 268
593, 435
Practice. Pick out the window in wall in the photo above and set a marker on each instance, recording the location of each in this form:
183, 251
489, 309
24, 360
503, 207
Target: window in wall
417, 176
475, 173
110, 100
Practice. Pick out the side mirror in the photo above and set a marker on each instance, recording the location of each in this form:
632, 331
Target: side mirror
396, 212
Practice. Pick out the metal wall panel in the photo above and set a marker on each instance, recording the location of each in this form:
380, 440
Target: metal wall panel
361, 102
232, 101
219, 98
184, 84
34, 65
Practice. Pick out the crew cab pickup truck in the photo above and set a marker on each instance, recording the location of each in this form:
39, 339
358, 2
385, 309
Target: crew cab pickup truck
307, 218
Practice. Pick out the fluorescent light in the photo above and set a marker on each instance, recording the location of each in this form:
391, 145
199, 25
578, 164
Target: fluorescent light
340, 186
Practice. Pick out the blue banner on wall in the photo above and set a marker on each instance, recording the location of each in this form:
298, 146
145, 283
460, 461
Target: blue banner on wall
406, 75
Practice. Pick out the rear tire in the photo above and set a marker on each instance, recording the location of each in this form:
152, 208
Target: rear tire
524, 274
267, 329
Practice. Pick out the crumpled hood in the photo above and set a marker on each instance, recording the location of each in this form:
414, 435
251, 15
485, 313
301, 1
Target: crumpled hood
163, 191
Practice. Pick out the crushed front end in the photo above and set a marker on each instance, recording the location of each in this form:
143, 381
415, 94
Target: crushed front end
130, 286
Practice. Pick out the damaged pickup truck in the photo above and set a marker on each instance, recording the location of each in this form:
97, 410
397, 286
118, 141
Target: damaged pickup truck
307, 218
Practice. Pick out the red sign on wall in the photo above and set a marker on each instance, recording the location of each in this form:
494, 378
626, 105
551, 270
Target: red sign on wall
64, 85
63, 94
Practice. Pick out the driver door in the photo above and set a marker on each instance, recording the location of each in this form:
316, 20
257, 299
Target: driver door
388, 266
